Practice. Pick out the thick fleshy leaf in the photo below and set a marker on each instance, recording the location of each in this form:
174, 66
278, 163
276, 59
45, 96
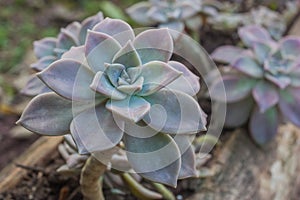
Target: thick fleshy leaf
66, 39
236, 88
43, 63
156, 158
34, 87
290, 47
265, 95
252, 33
45, 47
76, 53
113, 72
238, 112
102, 85
248, 66
132, 88
95, 130
262, 51
100, 48
174, 25
47, 114
88, 24
263, 126
281, 80
174, 112
69, 79
156, 76
157, 14
187, 82
289, 105
156, 44
116, 28
127, 56
134, 73
133, 108
227, 54
188, 165
137, 13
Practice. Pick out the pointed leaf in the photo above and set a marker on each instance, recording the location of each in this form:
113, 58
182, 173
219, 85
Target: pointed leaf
156, 44
187, 82
34, 87
102, 85
236, 88
290, 47
88, 24
248, 66
47, 114
156, 76
134, 87
69, 79
43, 63
226, 54
265, 95
289, 105
66, 40
156, 158
253, 33
100, 48
281, 80
76, 53
116, 28
174, 112
95, 130
137, 13
45, 47
127, 56
133, 108
264, 126
238, 113
113, 72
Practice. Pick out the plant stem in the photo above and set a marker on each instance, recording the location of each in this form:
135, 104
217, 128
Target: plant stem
167, 194
91, 186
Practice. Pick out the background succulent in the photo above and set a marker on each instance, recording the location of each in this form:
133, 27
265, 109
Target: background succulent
174, 14
262, 82
50, 49
107, 91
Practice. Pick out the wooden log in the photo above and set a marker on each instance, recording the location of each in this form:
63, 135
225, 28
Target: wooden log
243, 171
36, 154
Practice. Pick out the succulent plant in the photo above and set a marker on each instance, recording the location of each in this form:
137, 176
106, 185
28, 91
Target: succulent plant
50, 49
174, 14
262, 82
119, 87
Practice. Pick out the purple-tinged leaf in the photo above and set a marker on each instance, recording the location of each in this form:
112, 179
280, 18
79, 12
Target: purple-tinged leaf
66, 40
289, 105
138, 13
253, 33
262, 51
238, 113
174, 112
290, 47
47, 114
236, 88
133, 108
157, 14
76, 53
127, 56
88, 24
43, 63
100, 48
117, 29
69, 79
34, 87
156, 158
281, 80
45, 47
227, 54
156, 76
265, 95
154, 45
264, 126
102, 85
95, 130
248, 66
113, 72
187, 82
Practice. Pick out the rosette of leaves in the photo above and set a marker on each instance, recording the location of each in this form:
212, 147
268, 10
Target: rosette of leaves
122, 87
50, 49
262, 82
174, 14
